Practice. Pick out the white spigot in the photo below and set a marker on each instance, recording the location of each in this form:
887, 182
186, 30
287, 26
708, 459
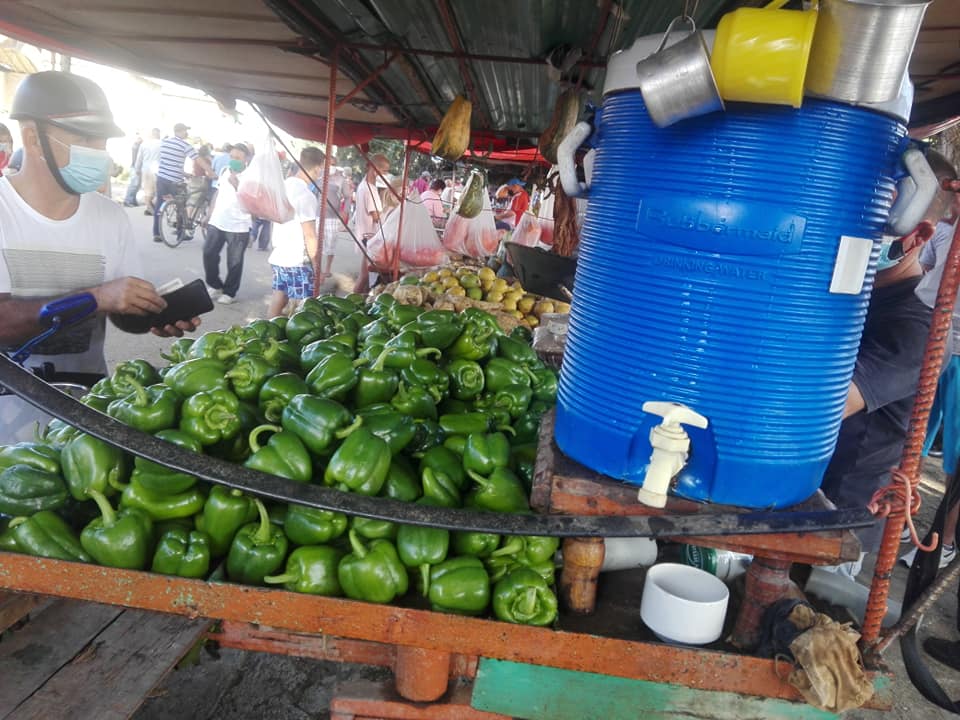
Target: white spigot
670, 444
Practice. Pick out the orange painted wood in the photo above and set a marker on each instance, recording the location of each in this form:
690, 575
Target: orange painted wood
421, 675
366, 700
657, 662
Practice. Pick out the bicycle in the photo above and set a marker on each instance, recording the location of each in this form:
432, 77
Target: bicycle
182, 213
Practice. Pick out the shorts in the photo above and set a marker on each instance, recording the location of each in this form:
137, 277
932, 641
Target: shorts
295, 282
945, 413
331, 226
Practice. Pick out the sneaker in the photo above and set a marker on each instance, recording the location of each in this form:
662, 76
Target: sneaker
948, 555
226, 300
148, 212
157, 238
213, 292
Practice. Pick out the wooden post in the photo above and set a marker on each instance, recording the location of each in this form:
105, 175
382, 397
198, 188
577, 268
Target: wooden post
421, 674
582, 559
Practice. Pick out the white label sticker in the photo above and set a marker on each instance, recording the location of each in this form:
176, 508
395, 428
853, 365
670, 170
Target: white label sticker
853, 257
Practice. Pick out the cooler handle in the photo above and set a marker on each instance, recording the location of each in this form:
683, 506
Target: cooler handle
915, 192
567, 162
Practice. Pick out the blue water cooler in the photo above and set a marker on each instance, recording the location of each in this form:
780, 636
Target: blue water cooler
726, 263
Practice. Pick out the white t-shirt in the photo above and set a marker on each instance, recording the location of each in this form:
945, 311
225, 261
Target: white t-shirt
368, 201
44, 258
150, 155
228, 215
289, 249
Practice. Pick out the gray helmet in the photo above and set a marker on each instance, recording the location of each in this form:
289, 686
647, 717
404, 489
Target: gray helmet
73, 103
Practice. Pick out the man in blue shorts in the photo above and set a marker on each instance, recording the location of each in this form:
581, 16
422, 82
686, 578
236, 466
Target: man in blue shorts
295, 244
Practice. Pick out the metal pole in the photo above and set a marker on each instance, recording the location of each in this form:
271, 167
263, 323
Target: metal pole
325, 183
395, 264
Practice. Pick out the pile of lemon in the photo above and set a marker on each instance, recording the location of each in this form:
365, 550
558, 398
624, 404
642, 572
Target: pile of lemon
483, 285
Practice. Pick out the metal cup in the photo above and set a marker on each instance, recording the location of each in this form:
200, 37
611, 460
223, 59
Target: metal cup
677, 81
861, 48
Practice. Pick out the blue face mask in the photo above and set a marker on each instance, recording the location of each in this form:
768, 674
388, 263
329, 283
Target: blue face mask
891, 253
87, 170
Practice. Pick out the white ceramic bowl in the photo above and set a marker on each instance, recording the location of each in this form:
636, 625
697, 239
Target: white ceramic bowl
683, 604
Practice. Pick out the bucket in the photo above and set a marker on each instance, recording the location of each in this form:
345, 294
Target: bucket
706, 263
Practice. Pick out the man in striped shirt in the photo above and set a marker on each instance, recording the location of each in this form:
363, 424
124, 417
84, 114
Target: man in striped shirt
174, 152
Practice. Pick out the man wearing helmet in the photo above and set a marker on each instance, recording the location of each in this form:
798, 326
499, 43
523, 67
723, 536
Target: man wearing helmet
58, 236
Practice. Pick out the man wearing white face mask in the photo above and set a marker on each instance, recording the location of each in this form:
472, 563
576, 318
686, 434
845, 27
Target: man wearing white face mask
58, 236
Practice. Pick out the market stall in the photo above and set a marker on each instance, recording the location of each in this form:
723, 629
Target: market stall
374, 481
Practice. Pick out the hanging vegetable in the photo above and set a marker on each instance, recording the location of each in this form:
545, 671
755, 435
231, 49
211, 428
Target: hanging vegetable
565, 114
471, 203
453, 135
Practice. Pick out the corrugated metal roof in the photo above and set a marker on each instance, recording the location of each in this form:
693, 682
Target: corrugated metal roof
12, 60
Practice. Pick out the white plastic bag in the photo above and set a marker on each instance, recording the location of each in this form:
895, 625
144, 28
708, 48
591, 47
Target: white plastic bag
260, 188
419, 245
476, 236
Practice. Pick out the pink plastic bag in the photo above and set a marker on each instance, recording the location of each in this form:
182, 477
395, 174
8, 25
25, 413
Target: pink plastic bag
476, 236
419, 245
260, 188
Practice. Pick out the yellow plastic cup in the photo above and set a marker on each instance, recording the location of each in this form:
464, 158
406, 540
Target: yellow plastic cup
760, 54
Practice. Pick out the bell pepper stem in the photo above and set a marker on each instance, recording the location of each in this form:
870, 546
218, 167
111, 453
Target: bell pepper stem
253, 438
507, 429
238, 373
142, 399
425, 578
355, 425
39, 435
16, 521
106, 509
360, 362
359, 549
424, 352
526, 606
281, 579
113, 482
381, 359
217, 418
227, 354
479, 479
263, 534
512, 547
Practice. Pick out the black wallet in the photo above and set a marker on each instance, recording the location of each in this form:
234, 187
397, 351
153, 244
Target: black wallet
182, 304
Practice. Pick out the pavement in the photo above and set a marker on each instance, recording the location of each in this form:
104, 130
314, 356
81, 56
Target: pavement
251, 686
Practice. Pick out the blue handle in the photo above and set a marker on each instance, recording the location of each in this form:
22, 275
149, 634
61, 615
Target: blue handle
55, 315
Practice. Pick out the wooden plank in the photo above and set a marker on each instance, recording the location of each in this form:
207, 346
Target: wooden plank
110, 678
16, 606
52, 639
362, 699
397, 625
540, 693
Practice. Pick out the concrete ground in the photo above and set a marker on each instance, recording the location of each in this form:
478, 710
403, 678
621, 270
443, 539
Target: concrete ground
252, 686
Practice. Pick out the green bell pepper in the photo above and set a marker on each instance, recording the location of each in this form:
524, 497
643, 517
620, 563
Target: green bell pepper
415, 401
523, 459
381, 304
277, 392
215, 345
456, 444
193, 376
399, 315
316, 351
474, 343
266, 329
37, 455
249, 374
346, 340
132, 374
318, 422
428, 375
544, 384
466, 379
375, 384
360, 464
306, 326
90, 464
25, 490
440, 489
100, 403
396, 429
211, 416
421, 547
149, 409
311, 570
481, 318
517, 351
444, 461
438, 328
161, 480
398, 356
284, 455
511, 399
461, 586
46, 534
374, 528
372, 572
529, 550
334, 376
257, 550
484, 453
527, 428
500, 373
57, 433
523, 597
341, 306
522, 333
375, 329
118, 538
163, 507
452, 406
182, 553
305, 525
402, 483
477, 544
179, 350
225, 512
427, 435
502, 491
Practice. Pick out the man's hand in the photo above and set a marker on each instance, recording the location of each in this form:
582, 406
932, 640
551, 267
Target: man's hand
177, 330
128, 296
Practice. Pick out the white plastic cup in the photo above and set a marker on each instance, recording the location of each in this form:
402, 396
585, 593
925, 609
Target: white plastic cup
682, 604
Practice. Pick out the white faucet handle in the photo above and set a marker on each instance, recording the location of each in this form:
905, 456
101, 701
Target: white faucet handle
675, 414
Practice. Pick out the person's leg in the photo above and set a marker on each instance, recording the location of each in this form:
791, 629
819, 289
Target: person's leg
211, 257
164, 187
236, 247
131, 198
331, 227
278, 300
263, 238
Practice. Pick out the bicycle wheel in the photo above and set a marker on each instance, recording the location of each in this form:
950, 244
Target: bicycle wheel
171, 224
196, 215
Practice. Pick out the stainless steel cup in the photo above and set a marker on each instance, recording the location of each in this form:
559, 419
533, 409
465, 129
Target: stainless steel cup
677, 81
861, 48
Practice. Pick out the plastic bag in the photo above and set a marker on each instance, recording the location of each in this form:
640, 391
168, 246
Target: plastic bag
533, 231
419, 245
260, 188
476, 236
